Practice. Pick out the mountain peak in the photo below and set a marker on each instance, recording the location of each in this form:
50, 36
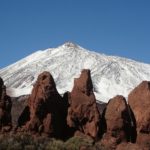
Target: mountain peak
110, 75
70, 45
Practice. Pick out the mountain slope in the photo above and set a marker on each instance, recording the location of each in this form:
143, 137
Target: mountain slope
111, 75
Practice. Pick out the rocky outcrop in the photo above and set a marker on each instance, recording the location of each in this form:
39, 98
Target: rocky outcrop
83, 115
115, 125
139, 101
45, 108
116, 122
5, 108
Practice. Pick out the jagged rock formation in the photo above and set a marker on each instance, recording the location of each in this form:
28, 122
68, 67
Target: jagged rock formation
5, 108
115, 125
116, 122
139, 101
83, 114
45, 108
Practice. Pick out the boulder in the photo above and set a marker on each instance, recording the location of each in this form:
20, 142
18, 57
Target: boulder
83, 115
116, 122
139, 101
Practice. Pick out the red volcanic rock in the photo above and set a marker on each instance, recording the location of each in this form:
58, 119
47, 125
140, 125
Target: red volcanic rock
139, 101
5, 108
45, 107
83, 114
117, 122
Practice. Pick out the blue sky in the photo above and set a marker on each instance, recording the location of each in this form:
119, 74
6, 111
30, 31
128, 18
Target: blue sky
114, 27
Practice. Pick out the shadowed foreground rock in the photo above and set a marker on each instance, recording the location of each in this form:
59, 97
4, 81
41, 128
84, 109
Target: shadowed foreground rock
83, 115
5, 108
45, 108
116, 122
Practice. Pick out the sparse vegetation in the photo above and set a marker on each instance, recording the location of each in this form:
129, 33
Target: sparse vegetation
75, 143
28, 142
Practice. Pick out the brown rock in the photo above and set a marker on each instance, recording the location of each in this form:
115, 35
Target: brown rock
131, 146
143, 140
139, 101
83, 114
45, 108
5, 107
117, 122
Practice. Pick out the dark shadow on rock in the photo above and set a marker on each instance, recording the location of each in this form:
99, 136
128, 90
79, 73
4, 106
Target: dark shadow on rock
132, 133
24, 117
67, 132
102, 124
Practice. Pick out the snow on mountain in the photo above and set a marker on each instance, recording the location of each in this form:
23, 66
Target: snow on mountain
111, 75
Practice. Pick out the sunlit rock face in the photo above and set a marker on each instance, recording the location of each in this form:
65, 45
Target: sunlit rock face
83, 114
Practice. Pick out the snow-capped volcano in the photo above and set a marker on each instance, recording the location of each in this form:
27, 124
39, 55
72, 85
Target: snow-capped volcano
110, 75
